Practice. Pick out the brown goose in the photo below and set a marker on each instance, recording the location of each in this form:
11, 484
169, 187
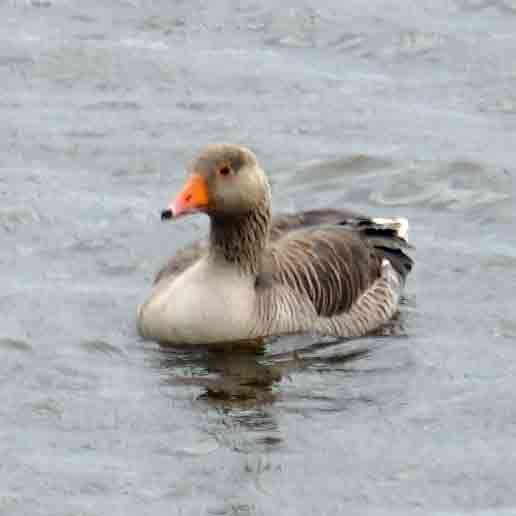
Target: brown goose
332, 272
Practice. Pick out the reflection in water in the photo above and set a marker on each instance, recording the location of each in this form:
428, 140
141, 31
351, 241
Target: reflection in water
233, 377
242, 383
245, 374
246, 378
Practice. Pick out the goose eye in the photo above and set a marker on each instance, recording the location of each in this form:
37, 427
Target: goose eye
225, 171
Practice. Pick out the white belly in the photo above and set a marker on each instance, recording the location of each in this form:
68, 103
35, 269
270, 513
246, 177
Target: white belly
204, 304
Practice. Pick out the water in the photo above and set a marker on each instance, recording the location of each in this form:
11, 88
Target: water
391, 108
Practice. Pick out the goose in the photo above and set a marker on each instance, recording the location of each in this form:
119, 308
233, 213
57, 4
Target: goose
330, 272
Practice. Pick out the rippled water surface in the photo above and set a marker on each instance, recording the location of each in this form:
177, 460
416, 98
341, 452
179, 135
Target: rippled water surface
388, 107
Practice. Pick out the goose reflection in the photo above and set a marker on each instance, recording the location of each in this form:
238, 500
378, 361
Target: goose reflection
244, 383
233, 376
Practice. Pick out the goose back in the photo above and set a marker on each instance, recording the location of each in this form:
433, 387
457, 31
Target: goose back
281, 225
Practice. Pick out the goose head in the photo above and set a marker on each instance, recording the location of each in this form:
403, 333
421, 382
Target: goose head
224, 180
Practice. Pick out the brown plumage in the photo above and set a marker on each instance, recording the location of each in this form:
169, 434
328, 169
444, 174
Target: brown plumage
330, 271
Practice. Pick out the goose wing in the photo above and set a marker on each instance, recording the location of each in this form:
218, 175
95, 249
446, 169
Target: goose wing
329, 266
334, 257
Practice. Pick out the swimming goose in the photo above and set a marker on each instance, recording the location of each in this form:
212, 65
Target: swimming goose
331, 272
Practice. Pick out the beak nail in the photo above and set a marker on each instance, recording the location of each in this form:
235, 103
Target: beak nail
166, 214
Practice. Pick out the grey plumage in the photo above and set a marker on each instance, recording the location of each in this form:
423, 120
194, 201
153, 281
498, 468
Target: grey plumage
324, 258
330, 271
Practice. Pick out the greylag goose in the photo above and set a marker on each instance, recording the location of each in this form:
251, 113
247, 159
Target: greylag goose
330, 272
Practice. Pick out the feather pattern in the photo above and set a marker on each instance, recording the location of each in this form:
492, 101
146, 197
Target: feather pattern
330, 271
345, 282
322, 270
329, 266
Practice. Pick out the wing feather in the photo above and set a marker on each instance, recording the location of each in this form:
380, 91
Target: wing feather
329, 266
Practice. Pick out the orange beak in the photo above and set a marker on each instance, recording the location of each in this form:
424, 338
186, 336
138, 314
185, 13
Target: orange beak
193, 198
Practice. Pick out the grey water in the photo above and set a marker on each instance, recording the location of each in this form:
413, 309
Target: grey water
392, 108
